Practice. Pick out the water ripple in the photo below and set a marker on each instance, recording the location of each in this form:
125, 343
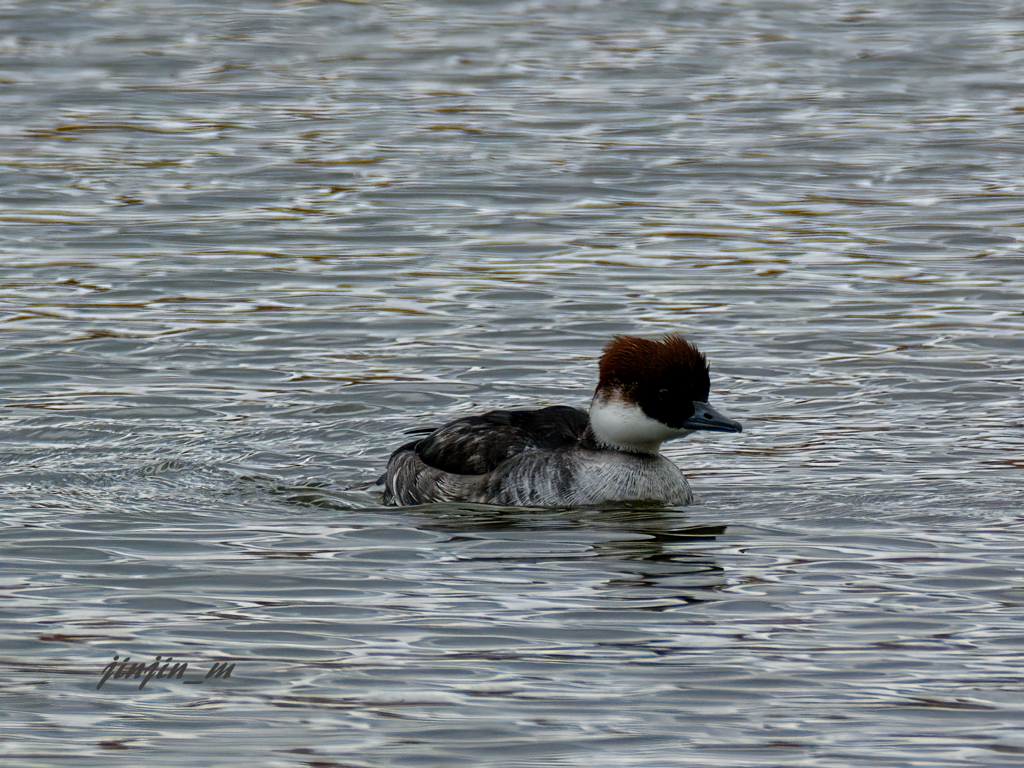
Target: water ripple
243, 250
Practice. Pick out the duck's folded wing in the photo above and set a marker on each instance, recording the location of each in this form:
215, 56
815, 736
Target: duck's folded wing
476, 445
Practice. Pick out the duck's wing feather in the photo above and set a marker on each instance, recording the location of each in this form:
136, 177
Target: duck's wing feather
476, 445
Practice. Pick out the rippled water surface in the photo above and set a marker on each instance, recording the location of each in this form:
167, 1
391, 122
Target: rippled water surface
245, 247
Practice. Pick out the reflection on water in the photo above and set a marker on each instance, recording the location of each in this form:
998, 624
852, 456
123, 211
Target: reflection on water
243, 250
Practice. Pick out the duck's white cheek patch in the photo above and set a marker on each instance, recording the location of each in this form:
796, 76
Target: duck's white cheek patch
624, 425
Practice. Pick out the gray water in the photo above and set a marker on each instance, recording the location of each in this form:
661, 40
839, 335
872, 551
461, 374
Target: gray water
244, 248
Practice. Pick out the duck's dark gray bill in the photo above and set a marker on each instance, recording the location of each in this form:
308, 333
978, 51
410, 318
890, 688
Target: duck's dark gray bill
707, 418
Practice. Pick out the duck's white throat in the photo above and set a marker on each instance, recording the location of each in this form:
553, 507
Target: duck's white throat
623, 425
